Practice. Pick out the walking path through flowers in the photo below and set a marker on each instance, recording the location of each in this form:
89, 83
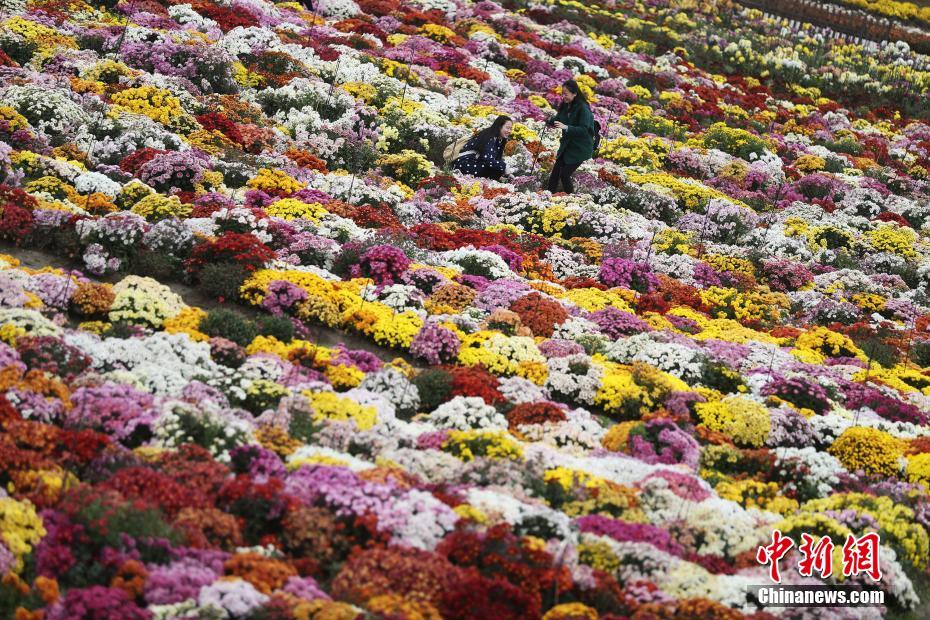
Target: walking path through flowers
405, 393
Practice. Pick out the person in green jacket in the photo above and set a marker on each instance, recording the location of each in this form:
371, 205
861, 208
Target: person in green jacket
575, 120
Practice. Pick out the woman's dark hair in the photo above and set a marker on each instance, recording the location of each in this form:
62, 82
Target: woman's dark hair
572, 85
489, 133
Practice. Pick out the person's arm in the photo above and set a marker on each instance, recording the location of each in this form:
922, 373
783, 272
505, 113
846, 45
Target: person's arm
585, 124
560, 116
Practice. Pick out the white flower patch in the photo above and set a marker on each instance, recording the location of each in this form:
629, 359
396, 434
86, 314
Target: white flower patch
639, 561
241, 219
763, 355
895, 579
340, 229
263, 367
185, 15
618, 468
48, 110
581, 66
466, 413
482, 260
337, 9
310, 453
204, 226
91, 182
430, 465
395, 387
576, 435
448, 7
236, 598
398, 297
574, 328
823, 468
500, 507
770, 164
162, 363
417, 519
724, 527
302, 123
519, 390
567, 264
244, 40
680, 361
172, 431
678, 266
341, 186
30, 321
574, 377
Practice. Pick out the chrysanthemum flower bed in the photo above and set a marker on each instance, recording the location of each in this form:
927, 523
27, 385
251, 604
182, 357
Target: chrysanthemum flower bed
593, 406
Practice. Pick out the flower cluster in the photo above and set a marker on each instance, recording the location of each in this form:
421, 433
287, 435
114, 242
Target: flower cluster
410, 393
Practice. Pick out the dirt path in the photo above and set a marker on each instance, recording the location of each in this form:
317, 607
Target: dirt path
192, 296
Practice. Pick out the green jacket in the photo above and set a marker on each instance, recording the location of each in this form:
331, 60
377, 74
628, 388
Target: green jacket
578, 138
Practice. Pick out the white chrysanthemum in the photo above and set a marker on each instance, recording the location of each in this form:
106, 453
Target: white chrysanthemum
90, 182
822, 468
395, 387
483, 261
337, 9
48, 110
519, 390
310, 454
575, 377
466, 413
683, 362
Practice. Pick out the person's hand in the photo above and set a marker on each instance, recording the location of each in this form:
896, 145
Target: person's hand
558, 125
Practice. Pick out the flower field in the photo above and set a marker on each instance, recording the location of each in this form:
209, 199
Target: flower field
567, 407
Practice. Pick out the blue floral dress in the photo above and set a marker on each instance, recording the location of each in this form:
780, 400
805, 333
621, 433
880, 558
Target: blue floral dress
489, 163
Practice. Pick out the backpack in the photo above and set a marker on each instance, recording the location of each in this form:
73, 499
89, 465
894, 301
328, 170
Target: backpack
597, 138
452, 151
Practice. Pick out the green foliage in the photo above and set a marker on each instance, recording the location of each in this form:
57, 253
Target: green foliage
846, 145
920, 353
736, 142
302, 426
279, 327
121, 329
263, 395
720, 377
208, 432
357, 157
228, 324
157, 265
474, 265
434, 386
106, 524
879, 351
18, 48
222, 280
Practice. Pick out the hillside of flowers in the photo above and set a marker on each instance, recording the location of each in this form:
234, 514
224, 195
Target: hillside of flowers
916, 12
567, 407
